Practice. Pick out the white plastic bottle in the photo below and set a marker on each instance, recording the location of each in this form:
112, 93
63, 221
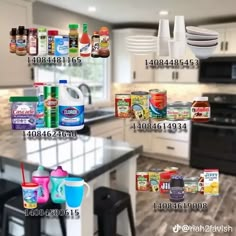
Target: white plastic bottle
71, 110
42, 42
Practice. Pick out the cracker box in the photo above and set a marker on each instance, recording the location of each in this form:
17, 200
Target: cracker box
211, 182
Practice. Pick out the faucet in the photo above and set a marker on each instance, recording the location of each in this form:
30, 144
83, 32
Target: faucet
83, 85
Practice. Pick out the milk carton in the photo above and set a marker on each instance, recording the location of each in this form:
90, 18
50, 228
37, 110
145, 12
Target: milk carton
211, 182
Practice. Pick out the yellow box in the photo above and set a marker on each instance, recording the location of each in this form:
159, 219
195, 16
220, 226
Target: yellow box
211, 182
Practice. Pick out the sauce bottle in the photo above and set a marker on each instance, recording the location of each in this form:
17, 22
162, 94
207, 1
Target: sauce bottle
95, 44
73, 40
12, 45
42, 42
33, 42
21, 41
85, 42
51, 44
27, 39
41, 177
104, 42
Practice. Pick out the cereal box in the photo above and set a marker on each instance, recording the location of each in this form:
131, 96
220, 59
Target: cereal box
142, 181
154, 179
211, 182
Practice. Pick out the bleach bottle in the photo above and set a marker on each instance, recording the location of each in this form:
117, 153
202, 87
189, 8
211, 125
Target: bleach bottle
71, 110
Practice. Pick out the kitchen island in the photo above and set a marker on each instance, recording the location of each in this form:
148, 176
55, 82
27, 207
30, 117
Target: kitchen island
90, 158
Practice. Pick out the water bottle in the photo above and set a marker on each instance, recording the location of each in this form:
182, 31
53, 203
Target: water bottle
41, 177
58, 189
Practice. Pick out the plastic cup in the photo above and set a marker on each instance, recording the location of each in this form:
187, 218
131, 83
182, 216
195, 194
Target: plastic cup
164, 29
29, 193
179, 26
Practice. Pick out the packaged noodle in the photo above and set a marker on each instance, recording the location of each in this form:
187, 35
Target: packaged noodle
211, 182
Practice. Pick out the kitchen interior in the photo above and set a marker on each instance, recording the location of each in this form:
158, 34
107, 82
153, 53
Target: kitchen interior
109, 152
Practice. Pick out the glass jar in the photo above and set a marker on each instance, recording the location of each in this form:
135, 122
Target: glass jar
33, 42
191, 185
176, 188
178, 111
21, 41
200, 110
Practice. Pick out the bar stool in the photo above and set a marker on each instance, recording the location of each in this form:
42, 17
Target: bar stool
108, 203
8, 189
32, 224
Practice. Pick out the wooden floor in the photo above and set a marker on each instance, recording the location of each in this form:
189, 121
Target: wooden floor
221, 209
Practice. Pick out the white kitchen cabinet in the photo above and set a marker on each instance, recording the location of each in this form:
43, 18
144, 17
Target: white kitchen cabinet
14, 69
129, 67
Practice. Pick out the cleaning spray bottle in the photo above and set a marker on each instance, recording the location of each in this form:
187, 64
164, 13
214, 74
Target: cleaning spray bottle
71, 109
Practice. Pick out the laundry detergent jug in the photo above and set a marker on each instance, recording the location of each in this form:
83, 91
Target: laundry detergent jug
41, 177
58, 189
71, 109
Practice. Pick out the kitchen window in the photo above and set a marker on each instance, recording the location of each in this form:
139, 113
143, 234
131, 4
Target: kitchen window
95, 72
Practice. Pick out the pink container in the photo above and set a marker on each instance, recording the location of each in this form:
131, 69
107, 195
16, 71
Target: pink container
41, 177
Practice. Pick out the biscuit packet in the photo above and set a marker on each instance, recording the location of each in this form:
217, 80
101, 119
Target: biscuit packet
211, 182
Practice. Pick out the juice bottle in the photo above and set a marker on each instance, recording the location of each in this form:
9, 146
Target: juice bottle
85, 42
73, 40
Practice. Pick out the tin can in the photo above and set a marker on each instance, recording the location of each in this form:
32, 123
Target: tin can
51, 111
140, 105
122, 105
158, 104
179, 111
142, 181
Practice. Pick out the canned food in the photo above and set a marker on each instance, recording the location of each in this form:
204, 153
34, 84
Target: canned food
122, 105
140, 105
158, 104
179, 111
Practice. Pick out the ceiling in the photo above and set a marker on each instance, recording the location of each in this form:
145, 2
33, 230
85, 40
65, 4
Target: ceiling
147, 11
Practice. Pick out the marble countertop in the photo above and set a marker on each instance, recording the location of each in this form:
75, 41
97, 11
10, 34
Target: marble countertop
86, 157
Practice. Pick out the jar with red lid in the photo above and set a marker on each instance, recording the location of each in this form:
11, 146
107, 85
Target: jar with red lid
164, 184
51, 44
200, 110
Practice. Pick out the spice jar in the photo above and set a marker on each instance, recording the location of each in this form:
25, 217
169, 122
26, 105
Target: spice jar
176, 188
164, 184
33, 42
201, 183
73, 40
51, 43
200, 110
104, 42
12, 45
21, 41
95, 44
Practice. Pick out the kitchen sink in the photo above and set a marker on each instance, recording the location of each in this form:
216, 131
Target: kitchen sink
97, 115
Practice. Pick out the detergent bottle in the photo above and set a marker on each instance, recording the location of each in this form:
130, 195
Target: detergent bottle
58, 189
41, 177
71, 110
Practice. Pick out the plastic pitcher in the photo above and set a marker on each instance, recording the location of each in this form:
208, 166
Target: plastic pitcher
58, 189
71, 110
41, 177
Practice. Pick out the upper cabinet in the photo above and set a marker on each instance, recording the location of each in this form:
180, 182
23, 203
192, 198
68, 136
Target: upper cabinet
227, 38
14, 69
128, 67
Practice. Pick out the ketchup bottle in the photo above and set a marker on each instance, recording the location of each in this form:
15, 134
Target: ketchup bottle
85, 42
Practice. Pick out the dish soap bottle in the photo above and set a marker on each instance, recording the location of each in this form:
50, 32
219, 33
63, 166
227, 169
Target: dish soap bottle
41, 177
85, 42
71, 110
58, 190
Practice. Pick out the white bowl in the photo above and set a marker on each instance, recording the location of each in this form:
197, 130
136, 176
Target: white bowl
141, 51
138, 47
200, 37
201, 31
202, 43
152, 44
141, 39
202, 52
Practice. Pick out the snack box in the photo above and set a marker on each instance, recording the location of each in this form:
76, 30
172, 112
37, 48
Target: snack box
142, 181
211, 182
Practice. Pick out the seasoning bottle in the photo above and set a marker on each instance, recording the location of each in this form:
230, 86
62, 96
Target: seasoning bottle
200, 110
104, 42
201, 184
12, 45
51, 44
27, 39
85, 42
176, 188
73, 40
42, 42
95, 44
33, 42
21, 41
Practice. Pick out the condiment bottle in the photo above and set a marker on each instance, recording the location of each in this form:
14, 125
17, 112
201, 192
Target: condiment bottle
33, 42
21, 41
201, 183
73, 40
12, 45
95, 44
51, 44
85, 42
58, 193
27, 39
200, 110
104, 42
42, 42
176, 188
41, 177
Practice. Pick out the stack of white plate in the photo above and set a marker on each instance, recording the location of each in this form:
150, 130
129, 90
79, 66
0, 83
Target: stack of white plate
202, 41
141, 44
